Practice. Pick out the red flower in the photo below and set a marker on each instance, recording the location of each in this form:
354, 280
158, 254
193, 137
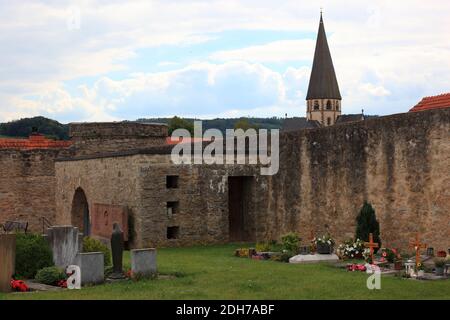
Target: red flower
19, 285
384, 254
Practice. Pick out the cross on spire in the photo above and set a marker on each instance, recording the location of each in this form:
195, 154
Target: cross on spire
417, 245
372, 245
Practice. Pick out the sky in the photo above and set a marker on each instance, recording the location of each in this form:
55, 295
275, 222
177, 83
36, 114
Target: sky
109, 60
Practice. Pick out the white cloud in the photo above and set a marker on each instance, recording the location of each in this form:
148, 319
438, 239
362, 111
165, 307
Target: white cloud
198, 90
387, 55
284, 50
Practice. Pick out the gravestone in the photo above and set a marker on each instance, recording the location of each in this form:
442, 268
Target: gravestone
103, 217
143, 262
117, 248
314, 258
7, 260
92, 267
65, 243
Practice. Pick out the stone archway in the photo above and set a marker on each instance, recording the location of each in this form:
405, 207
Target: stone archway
80, 212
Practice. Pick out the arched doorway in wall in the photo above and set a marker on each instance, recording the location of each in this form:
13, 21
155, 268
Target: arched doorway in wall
80, 212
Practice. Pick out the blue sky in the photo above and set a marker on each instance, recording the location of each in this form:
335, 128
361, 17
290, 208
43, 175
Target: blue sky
104, 60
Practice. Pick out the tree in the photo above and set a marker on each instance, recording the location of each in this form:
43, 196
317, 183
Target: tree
366, 223
180, 123
244, 124
24, 127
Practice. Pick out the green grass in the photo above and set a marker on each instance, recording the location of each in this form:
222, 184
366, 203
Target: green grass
213, 272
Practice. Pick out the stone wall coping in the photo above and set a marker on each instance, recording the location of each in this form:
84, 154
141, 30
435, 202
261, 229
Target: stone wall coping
144, 249
90, 253
366, 124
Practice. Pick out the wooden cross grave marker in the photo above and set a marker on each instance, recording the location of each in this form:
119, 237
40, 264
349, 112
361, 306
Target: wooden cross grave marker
372, 245
417, 245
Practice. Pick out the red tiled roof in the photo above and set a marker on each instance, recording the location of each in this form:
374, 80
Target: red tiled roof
434, 102
35, 141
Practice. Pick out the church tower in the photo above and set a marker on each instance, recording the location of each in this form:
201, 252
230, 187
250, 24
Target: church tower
323, 100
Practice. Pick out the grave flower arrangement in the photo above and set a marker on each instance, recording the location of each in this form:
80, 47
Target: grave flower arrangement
19, 285
324, 244
351, 249
366, 255
388, 255
356, 267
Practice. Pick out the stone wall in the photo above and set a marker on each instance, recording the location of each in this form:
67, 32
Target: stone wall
27, 185
138, 181
94, 138
399, 163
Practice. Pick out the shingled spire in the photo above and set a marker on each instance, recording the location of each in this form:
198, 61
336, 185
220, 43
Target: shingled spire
323, 97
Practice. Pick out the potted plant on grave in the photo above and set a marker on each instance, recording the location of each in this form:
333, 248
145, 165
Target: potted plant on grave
439, 263
324, 244
420, 270
390, 256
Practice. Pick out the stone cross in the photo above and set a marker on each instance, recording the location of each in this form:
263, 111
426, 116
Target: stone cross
417, 245
371, 245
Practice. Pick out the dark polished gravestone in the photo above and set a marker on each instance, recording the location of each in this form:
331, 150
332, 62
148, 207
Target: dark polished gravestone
7, 260
117, 247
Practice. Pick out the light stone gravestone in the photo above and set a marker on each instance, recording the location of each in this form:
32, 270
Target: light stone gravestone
314, 258
65, 243
91, 266
143, 262
7, 260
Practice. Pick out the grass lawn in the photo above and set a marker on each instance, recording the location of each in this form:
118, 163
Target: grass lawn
212, 272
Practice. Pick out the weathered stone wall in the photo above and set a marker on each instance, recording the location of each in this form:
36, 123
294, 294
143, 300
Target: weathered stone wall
138, 181
27, 185
399, 163
105, 181
100, 137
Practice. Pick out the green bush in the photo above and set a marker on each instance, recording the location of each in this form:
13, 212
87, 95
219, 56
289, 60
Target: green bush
282, 257
50, 275
32, 254
94, 245
263, 246
366, 223
290, 242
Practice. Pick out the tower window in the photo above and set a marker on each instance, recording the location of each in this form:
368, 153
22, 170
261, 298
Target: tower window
172, 208
316, 105
328, 105
173, 232
328, 121
171, 182
337, 105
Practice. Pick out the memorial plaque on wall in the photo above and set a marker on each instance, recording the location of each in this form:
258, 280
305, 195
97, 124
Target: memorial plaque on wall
103, 217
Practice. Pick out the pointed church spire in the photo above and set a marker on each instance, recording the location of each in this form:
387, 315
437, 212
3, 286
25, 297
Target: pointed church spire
322, 83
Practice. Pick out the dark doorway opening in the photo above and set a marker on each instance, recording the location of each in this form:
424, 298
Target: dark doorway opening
80, 212
239, 205
173, 232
